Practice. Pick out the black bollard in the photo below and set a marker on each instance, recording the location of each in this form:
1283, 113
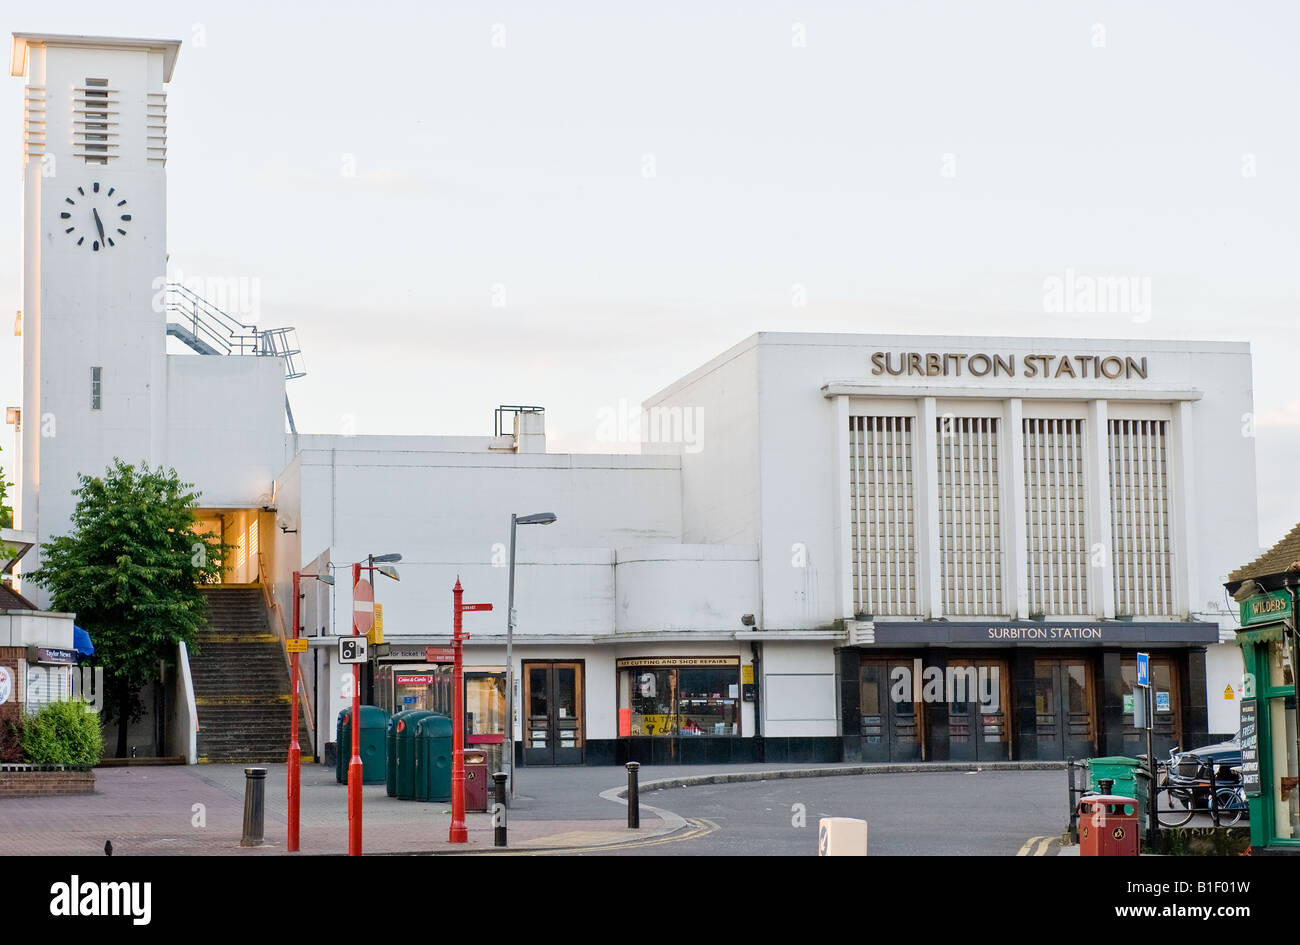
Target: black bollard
499, 810
1074, 806
1214, 801
633, 797
1105, 785
254, 807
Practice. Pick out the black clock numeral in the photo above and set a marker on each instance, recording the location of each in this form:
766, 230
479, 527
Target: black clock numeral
95, 246
64, 215
121, 203
109, 239
122, 231
81, 240
70, 200
126, 217
110, 191
69, 229
80, 191
95, 187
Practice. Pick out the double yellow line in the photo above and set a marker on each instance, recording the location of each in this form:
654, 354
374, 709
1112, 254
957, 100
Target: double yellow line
696, 828
1039, 846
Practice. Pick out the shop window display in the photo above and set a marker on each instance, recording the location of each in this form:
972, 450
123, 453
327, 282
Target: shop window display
701, 701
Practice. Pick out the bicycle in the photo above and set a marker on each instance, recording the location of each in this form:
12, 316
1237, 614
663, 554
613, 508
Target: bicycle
1181, 805
1225, 798
1231, 803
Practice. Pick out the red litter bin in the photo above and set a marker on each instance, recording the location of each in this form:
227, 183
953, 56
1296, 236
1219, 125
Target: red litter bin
1108, 825
476, 780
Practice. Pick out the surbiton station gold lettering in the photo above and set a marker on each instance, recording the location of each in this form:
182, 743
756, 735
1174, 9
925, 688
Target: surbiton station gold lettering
1044, 633
933, 364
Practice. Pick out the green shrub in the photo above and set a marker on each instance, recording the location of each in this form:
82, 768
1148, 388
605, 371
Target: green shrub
62, 733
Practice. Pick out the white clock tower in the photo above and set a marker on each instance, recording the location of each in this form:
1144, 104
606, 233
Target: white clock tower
94, 244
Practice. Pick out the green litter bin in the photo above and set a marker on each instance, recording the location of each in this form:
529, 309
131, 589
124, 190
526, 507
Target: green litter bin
401, 752
374, 724
1119, 769
433, 758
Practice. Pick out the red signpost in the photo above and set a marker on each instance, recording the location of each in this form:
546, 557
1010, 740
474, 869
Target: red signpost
295, 750
458, 833
363, 616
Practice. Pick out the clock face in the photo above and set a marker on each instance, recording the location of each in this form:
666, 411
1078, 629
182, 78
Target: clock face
96, 216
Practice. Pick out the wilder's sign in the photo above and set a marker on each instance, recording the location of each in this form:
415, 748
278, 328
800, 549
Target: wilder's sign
935, 364
1266, 608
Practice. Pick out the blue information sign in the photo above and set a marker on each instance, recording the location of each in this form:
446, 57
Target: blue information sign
1144, 669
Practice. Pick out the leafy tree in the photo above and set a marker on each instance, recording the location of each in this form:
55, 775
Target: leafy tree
6, 510
6, 514
129, 569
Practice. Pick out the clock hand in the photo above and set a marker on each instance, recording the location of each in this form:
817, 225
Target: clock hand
98, 225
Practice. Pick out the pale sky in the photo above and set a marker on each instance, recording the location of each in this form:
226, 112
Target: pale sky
573, 204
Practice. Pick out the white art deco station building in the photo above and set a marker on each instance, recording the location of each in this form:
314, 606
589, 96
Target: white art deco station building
813, 518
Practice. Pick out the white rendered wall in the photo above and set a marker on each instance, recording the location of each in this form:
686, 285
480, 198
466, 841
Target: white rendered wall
798, 689
667, 587
718, 405
225, 426
1223, 670
36, 628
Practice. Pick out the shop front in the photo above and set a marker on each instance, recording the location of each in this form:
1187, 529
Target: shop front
680, 709
1268, 731
975, 692
421, 678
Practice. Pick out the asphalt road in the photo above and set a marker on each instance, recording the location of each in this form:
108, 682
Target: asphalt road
990, 813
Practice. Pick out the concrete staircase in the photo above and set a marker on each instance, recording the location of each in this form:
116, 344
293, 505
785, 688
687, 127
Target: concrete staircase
241, 683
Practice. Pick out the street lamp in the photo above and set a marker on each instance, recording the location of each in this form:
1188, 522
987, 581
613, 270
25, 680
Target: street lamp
539, 518
382, 564
354, 766
295, 750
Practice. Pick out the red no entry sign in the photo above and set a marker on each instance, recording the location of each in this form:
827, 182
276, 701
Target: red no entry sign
363, 606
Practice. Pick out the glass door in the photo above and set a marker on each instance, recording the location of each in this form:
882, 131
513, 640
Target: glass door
1166, 727
554, 698
1063, 706
891, 729
979, 726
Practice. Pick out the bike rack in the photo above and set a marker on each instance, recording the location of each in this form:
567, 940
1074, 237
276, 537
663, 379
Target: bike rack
1190, 789
1075, 792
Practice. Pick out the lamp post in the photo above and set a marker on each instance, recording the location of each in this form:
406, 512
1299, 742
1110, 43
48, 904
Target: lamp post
354, 765
540, 518
295, 750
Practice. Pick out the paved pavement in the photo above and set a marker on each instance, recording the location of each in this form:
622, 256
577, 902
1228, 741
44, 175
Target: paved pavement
199, 811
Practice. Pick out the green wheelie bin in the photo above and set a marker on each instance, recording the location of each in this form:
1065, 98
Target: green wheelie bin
374, 723
402, 748
1119, 769
433, 758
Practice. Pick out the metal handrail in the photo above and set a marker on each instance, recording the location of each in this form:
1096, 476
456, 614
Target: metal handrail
273, 606
498, 415
230, 324
227, 335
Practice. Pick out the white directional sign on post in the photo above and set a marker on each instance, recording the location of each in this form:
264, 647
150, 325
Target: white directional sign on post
352, 650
